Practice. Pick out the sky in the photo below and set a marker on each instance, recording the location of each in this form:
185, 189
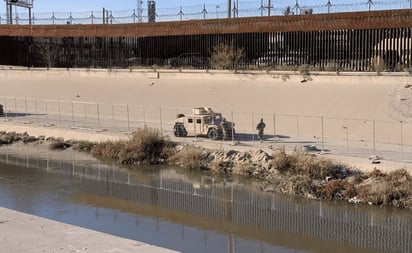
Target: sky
171, 7
117, 5
88, 5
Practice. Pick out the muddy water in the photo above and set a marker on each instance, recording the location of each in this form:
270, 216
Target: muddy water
189, 212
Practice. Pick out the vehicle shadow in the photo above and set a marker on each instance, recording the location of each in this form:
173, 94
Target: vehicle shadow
254, 137
17, 115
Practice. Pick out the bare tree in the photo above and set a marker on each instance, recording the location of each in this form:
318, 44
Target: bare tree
224, 56
42, 51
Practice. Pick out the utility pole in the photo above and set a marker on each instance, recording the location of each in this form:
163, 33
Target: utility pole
204, 11
181, 14
235, 9
297, 7
229, 8
139, 11
370, 3
329, 5
262, 8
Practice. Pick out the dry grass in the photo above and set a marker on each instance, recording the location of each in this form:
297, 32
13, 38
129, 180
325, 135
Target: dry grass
189, 157
146, 146
337, 189
307, 164
11, 137
84, 146
392, 189
378, 64
225, 56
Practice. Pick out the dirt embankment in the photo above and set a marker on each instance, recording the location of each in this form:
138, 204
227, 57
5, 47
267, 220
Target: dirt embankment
368, 96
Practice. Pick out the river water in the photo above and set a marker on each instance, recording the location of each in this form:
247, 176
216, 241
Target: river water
188, 211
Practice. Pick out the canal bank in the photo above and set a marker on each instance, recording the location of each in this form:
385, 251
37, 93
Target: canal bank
352, 117
360, 163
189, 212
20, 232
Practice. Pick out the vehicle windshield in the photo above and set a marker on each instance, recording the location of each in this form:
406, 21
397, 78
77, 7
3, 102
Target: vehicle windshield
208, 120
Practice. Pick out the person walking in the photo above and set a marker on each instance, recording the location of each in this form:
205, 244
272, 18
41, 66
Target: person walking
260, 127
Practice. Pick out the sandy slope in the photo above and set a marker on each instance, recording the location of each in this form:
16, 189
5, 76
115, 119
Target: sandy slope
336, 96
366, 96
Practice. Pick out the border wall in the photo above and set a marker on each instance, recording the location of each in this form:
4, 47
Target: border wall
358, 41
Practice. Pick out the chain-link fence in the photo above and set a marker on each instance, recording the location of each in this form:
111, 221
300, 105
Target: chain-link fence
205, 11
222, 203
390, 140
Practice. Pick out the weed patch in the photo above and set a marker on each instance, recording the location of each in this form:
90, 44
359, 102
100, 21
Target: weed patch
146, 146
189, 157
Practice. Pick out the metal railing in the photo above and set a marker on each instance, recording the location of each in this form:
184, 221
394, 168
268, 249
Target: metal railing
391, 140
205, 11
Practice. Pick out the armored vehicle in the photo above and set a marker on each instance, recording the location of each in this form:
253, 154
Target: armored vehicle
204, 122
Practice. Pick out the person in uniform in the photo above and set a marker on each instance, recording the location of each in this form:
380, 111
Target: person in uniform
260, 127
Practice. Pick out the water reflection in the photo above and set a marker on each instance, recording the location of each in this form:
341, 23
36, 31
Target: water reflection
198, 211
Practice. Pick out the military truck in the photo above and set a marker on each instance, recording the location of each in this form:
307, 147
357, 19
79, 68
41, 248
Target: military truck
204, 122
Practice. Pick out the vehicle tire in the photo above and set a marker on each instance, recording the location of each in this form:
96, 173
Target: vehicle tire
213, 134
180, 131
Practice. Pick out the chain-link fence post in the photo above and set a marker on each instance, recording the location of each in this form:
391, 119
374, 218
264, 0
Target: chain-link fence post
194, 126
73, 114
128, 118
322, 135
6, 109
60, 114
374, 137
297, 131
25, 103
15, 107
347, 135
233, 127
85, 114
113, 116
161, 121
253, 129
98, 113
47, 114
35, 110
274, 131
402, 139
144, 116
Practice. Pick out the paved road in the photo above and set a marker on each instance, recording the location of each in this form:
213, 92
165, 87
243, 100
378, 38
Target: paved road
20, 232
